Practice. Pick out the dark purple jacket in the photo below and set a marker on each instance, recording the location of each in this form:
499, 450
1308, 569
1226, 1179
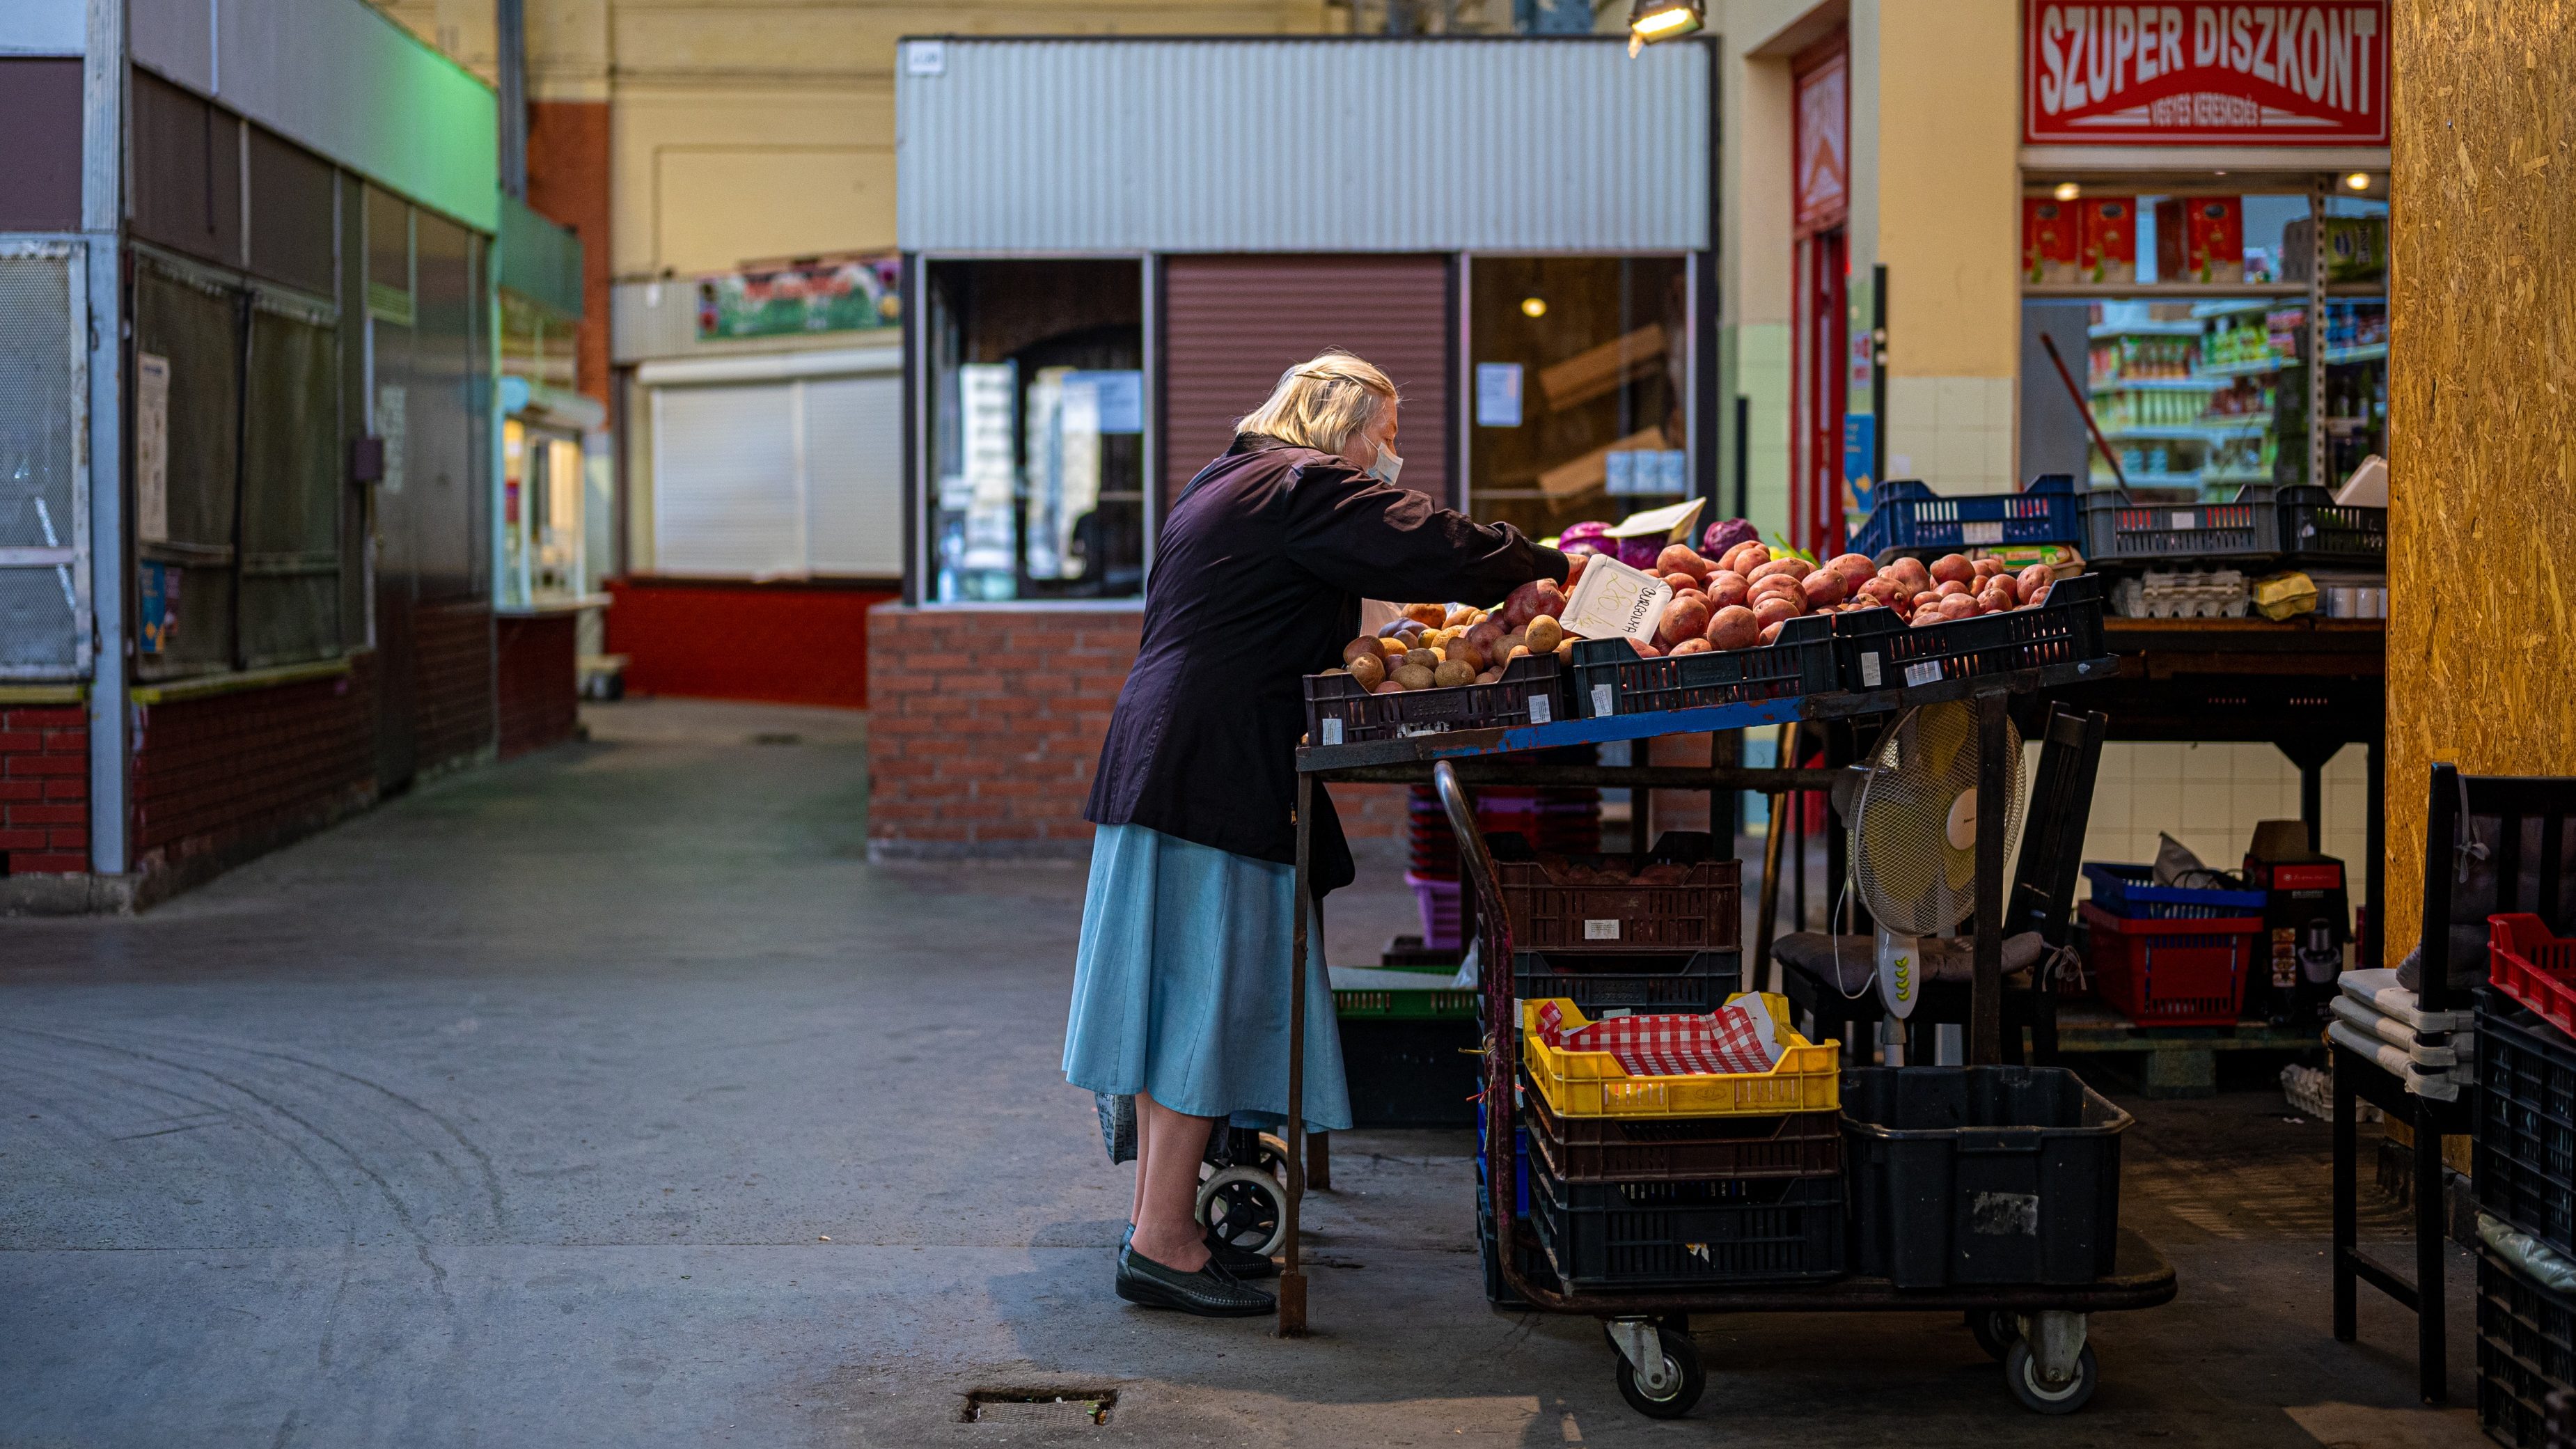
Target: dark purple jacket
1257, 582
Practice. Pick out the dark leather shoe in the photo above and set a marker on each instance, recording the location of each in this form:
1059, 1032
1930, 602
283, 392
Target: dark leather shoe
1243, 1263
1211, 1292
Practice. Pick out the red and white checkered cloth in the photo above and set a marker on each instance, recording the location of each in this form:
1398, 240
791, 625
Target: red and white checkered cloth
1734, 1040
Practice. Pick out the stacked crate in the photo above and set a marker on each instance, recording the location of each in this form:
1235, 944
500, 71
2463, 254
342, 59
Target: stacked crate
1552, 819
2167, 955
2524, 1173
1644, 1178
1657, 930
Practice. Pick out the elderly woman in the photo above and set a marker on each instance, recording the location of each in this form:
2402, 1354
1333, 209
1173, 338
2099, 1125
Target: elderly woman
1180, 992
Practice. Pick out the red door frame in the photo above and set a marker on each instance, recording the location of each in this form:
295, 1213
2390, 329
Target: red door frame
1818, 322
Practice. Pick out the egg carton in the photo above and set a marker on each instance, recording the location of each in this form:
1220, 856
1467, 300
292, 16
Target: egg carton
2181, 594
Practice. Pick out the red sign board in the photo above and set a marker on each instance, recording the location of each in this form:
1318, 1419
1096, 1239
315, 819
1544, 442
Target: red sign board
1822, 166
2311, 73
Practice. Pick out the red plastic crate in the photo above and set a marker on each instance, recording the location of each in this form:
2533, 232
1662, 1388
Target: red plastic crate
2171, 973
2533, 967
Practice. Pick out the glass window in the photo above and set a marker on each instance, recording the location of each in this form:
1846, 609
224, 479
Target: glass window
1035, 464
1579, 397
2197, 391
2356, 338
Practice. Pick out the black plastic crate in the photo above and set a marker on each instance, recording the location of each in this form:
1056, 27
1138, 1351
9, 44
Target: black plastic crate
1339, 712
1697, 983
2526, 1352
1411, 1071
1682, 1234
1680, 897
2121, 530
2317, 530
1981, 1175
1644, 1149
1610, 678
1527, 1257
1906, 516
1880, 651
2523, 1166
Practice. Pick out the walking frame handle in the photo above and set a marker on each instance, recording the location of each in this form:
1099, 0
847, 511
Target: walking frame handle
1471, 841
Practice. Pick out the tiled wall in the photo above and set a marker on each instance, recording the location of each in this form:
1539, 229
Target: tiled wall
2209, 796
1955, 433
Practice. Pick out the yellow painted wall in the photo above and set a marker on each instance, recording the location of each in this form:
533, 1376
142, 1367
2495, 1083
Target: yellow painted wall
2482, 407
1949, 187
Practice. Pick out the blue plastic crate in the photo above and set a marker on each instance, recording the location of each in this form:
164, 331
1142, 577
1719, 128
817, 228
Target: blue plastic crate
2130, 892
1909, 515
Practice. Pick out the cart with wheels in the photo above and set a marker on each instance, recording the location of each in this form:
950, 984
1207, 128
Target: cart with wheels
2039, 1332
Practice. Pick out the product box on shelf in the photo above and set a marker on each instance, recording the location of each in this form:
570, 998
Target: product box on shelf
2200, 239
2048, 239
2107, 244
2307, 917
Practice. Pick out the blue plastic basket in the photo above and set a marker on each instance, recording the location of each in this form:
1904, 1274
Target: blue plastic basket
2130, 892
1909, 515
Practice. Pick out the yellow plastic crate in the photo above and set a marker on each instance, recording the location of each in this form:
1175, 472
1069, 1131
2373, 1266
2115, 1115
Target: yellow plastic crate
1593, 1084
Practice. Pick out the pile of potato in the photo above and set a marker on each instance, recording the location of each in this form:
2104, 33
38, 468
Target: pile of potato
1741, 600
1738, 602
1434, 646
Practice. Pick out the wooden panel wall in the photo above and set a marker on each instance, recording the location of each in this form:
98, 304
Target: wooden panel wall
2482, 408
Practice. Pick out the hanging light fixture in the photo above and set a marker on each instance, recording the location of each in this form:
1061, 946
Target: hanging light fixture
2358, 181
1652, 20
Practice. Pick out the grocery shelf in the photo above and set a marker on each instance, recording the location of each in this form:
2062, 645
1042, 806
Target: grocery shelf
2179, 433
2366, 352
2150, 480
2143, 329
2248, 369
2155, 384
2239, 306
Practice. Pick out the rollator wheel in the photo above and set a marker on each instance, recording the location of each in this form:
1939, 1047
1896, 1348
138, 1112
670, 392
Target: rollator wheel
1274, 1156
1245, 1207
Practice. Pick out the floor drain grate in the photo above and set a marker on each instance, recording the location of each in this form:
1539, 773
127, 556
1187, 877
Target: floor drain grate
1039, 1406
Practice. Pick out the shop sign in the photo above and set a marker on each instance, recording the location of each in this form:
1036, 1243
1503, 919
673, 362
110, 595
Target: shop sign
2312, 73
1823, 166
795, 301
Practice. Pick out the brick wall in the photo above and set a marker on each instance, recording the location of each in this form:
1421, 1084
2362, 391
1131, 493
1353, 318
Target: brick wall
44, 790
540, 683
991, 763
452, 653
220, 779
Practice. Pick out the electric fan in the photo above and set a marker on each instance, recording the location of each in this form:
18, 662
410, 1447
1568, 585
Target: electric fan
1914, 841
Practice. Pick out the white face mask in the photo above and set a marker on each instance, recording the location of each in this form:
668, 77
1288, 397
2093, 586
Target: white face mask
1388, 465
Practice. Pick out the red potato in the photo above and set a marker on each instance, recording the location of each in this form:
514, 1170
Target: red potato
1733, 627
1726, 588
1682, 579
1881, 591
1551, 599
1691, 646
2039, 598
1959, 606
1924, 600
1683, 619
1389, 687
1856, 570
1522, 605
1986, 568
1772, 610
1770, 633
1910, 572
1824, 589
1681, 558
1951, 566
1645, 648
1574, 567
1484, 635
2027, 584
1998, 596
1948, 587
1796, 568
1745, 557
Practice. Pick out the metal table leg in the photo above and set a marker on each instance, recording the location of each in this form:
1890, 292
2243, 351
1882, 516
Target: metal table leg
1986, 1001
2430, 1366
1292, 1277
2347, 1208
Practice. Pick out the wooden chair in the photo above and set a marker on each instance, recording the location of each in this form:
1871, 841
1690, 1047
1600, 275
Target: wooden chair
1829, 979
2492, 844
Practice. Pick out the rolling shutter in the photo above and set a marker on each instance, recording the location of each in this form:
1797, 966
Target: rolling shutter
762, 469
1231, 325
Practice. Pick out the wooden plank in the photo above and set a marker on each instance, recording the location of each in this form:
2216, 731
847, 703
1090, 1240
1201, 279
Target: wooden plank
1596, 370
1591, 470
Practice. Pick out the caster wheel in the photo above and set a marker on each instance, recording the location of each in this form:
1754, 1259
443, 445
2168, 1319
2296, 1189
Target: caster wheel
1681, 1358
1996, 1331
1246, 1207
2021, 1372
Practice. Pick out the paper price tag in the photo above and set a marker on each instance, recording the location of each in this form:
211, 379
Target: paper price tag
1919, 675
1332, 731
1542, 709
1601, 930
1601, 704
2183, 521
1615, 601
1869, 671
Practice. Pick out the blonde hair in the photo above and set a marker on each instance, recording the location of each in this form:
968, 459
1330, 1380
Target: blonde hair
1323, 403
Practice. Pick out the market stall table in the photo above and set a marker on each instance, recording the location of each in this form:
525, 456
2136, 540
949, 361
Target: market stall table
1451, 759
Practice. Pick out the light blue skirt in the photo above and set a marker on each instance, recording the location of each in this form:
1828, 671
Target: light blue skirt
1180, 986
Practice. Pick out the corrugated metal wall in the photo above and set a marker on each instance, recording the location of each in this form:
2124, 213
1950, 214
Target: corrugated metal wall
1301, 146
1231, 325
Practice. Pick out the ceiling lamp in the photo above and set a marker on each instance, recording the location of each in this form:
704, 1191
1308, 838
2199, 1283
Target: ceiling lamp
2358, 181
2068, 191
1533, 306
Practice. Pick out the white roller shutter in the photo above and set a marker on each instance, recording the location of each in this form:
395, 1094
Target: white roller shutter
779, 465
854, 475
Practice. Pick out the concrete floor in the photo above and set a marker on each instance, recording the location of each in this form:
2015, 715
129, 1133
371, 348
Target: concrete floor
611, 1097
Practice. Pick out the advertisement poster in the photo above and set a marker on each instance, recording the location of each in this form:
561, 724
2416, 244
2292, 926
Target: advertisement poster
2313, 73
1821, 185
845, 296
1498, 394
160, 611
151, 448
